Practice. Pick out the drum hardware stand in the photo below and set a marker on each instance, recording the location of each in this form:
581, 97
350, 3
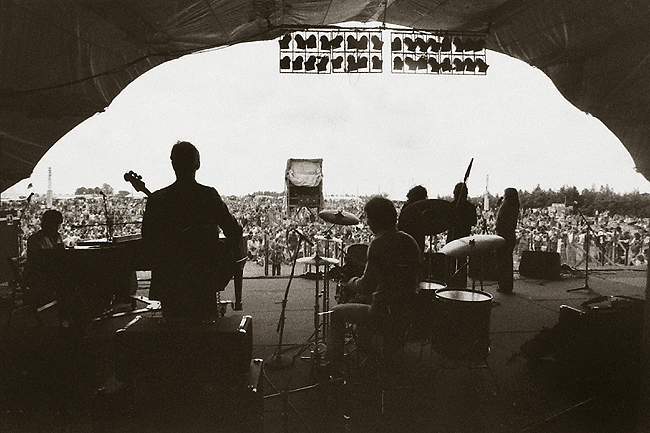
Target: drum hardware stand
587, 242
276, 361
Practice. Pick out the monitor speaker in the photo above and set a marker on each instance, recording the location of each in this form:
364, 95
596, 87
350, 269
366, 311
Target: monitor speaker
541, 265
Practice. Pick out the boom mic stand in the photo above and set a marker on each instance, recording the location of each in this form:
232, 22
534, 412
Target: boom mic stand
277, 361
587, 242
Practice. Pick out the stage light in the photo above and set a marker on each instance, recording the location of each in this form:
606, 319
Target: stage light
377, 44
396, 45
330, 50
377, 63
438, 52
435, 66
297, 63
398, 64
482, 66
322, 64
310, 64
410, 44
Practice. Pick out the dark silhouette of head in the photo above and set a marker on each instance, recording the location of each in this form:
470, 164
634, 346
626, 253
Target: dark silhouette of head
460, 191
185, 159
511, 196
417, 193
51, 220
381, 214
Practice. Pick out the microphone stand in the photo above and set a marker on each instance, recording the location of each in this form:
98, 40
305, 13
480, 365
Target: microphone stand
587, 242
277, 361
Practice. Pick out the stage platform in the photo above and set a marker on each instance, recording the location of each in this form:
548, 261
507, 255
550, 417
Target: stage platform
48, 380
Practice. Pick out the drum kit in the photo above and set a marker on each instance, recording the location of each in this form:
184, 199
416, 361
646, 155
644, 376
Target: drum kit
316, 342
452, 307
458, 320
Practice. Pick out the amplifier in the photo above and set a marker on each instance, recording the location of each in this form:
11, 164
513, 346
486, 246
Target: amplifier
185, 352
209, 409
541, 265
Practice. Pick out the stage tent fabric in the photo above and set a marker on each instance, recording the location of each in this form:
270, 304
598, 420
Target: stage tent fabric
64, 61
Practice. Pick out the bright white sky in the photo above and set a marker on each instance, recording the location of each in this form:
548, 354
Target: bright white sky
375, 132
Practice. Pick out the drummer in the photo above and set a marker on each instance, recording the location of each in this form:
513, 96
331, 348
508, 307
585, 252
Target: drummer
391, 274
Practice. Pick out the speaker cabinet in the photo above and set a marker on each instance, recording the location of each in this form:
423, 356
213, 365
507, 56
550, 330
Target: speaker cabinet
540, 265
9, 241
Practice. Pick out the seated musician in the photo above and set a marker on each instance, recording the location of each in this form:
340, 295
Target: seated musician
42, 246
391, 274
46, 271
180, 229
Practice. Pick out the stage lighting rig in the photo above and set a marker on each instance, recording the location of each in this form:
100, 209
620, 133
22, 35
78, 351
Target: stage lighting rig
332, 50
438, 52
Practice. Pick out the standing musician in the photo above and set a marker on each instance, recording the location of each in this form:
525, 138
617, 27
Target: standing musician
180, 228
391, 274
462, 223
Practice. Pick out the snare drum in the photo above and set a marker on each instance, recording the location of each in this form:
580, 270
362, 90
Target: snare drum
463, 330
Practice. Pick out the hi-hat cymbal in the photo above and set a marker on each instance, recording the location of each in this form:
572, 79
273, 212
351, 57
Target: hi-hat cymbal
328, 238
340, 217
317, 261
470, 245
427, 217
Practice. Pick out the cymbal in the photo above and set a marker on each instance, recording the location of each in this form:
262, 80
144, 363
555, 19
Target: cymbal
317, 261
330, 239
340, 217
427, 217
471, 245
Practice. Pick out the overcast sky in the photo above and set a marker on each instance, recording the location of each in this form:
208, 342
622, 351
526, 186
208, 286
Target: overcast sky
375, 132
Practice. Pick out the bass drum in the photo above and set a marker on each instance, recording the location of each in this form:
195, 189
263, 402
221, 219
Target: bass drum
462, 324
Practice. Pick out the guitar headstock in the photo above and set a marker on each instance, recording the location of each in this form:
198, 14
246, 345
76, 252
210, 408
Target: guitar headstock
136, 180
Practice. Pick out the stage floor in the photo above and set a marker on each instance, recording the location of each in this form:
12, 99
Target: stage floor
429, 393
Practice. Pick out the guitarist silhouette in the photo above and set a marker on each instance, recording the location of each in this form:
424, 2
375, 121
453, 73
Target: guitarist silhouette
180, 229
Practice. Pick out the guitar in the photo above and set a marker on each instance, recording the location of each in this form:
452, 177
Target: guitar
227, 255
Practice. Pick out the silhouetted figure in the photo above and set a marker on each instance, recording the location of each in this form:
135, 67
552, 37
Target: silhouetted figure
180, 228
506, 225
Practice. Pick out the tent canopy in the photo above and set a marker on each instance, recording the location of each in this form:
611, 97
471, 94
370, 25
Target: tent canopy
63, 61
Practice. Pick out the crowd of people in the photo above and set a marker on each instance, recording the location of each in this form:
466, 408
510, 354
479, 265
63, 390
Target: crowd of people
614, 239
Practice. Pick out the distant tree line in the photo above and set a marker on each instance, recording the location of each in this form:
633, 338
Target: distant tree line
105, 188
590, 201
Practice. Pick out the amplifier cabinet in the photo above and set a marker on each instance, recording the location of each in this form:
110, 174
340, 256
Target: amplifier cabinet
235, 408
184, 353
540, 265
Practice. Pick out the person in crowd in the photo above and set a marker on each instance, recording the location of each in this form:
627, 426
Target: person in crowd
415, 194
463, 221
180, 229
391, 275
506, 225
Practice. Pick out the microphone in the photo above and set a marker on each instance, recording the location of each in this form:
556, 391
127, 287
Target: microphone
29, 199
303, 237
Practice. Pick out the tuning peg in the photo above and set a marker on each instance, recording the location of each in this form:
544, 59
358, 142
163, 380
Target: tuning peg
285, 62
